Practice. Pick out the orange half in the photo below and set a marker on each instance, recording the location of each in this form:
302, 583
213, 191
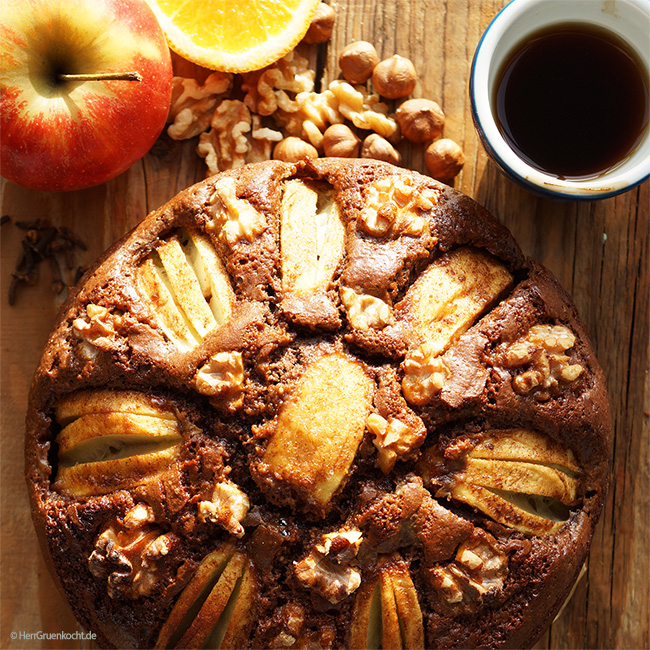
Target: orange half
234, 35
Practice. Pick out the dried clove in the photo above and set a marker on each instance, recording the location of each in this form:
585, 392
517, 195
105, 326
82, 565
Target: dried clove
42, 242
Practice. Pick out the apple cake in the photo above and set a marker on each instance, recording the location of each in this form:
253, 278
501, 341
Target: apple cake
318, 405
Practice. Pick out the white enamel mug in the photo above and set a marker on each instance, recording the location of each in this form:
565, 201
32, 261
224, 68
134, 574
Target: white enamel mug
629, 19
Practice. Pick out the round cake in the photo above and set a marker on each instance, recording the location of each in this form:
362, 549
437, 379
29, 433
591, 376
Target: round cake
318, 405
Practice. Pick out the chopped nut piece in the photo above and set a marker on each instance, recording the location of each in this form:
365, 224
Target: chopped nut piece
267, 89
222, 378
393, 439
365, 311
326, 569
520, 478
393, 207
127, 553
479, 568
227, 508
316, 434
98, 332
425, 374
234, 218
543, 348
193, 104
363, 110
102, 448
316, 111
226, 145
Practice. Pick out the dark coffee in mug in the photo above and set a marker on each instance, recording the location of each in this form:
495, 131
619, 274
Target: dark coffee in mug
572, 100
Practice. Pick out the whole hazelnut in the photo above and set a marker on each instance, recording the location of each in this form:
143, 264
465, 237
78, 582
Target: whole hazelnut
357, 61
420, 119
340, 141
444, 159
374, 146
322, 23
394, 77
293, 149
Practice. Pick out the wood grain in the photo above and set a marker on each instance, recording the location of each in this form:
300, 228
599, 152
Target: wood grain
599, 251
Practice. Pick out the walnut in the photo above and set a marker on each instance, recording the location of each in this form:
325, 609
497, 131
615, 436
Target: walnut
393, 207
225, 146
234, 218
98, 332
365, 311
222, 378
327, 571
262, 141
227, 508
479, 568
267, 89
127, 553
364, 110
192, 104
394, 439
542, 351
316, 111
424, 374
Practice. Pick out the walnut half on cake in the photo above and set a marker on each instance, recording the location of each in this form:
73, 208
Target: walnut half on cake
317, 405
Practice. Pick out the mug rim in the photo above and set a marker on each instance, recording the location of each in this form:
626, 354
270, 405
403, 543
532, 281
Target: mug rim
609, 183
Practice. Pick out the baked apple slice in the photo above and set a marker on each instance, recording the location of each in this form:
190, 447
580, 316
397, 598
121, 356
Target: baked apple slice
448, 297
386, 612
112, 440
520, 478
315, 436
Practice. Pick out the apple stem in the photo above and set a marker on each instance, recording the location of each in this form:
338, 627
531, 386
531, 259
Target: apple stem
102, 76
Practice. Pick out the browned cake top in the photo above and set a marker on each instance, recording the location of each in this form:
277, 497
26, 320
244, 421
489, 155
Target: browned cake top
318, 405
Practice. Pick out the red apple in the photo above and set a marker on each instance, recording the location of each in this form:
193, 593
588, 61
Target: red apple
66, 133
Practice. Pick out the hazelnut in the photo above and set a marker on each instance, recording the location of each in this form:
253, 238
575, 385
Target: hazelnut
444, 159
321, 25
374, 146
340, 141
394, 77
293, 149
357, 61
420, 119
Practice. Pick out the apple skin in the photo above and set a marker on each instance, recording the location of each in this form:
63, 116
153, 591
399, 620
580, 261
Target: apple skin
70, 135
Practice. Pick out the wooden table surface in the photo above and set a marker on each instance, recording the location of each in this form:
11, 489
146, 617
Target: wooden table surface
599, 251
